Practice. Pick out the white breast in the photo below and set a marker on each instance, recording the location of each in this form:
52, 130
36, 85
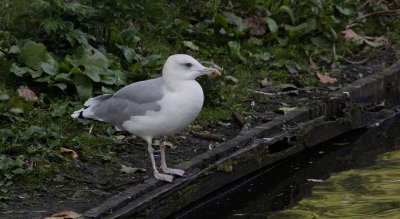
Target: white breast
178, 110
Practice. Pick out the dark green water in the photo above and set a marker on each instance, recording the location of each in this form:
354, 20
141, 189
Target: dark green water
371, 192
354, 176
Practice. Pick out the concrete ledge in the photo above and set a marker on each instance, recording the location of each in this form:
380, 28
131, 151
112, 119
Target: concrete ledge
260, 146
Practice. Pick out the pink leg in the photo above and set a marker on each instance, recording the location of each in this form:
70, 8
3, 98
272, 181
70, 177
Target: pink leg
157, 175
164, 164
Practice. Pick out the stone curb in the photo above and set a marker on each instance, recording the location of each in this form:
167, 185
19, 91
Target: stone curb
258, 147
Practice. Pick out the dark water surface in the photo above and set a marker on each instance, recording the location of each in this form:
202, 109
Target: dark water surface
351, 176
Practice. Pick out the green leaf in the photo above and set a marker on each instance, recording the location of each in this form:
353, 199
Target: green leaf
46, 78
18, 171
233, 19
107, 90
58, 109
5, 133
190, 45
129, 34
31, 131
180, 25
231, 78
345, 11
19, 71
286, 9
311, 25
17, 110
221, 20
63, 77
273, 27
62, 86
375, 44
301, 29
234, 46
76, 70
83, 86
4, 97
265, 56
129, 53
93, 61
76, 35
33, 54
320, 42
253, 41
14, 49
50, 66
115, 77
332, 35
52, 25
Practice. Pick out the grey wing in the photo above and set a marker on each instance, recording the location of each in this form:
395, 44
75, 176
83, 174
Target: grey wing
132, 100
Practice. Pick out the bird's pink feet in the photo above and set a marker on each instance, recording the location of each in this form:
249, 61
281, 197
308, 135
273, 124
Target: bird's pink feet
163, 177
173, 171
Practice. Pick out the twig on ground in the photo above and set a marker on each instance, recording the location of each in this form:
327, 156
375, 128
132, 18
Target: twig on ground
273, 94
209, 136
383, 12
362, 61
90, 130
363, 5
245, 125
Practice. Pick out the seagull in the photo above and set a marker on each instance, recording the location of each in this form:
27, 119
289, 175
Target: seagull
154, 108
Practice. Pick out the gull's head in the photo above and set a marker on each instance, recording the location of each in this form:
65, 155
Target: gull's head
185, 67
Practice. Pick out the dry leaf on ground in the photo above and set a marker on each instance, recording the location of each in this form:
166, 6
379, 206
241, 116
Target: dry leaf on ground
73, 153
259, 27
381, 39
313, 65
129, 170
349, 33
326, 78
27, 93
371, 41
286, 110
66, 214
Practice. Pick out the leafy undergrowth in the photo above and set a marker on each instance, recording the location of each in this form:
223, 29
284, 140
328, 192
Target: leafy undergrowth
66, 51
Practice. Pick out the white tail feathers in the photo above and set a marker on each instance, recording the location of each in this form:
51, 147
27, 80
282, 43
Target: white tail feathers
77, 113
90, 105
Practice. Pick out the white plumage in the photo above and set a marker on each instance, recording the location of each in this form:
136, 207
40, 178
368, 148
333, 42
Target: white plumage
156, 107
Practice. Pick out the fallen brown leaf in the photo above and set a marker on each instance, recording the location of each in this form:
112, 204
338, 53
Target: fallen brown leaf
73, 153
27, 93
349, 33
30, 165
259, 27
381, 39
313, 65
67, 214
326, 78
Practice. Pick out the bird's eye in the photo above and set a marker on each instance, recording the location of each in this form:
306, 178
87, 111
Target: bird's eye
188, 64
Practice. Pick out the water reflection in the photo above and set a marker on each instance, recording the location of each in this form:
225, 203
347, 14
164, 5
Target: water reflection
360, 193
284, 185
